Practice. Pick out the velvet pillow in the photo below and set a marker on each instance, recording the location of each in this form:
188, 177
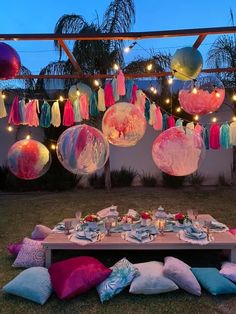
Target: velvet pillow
181, 274
151, 280
14, 248
123, 272
40, 232
31, 254
229, 271
77, 275
213, 281
33, 284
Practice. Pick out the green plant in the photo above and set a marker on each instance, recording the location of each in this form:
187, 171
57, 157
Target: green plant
222, 181
196, 179
122, 177
97, 181
173, 181
148, 180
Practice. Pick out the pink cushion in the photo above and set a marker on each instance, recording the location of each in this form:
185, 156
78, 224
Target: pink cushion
233, 231
77, 275
40, 232
31, 254
229, 270
14, 248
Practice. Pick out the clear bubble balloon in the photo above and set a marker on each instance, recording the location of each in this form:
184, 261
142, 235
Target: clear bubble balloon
186, 63
28, 159
178, 151
78, 90
123, 124
10, 63
203, 96
82, 149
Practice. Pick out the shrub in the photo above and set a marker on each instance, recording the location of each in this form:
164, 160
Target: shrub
148, 180
97, 181
196, 179
122, 177
172, 181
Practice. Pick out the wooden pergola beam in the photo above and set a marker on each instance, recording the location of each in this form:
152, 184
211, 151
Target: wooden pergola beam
70, 55
199, 40
127, 75
123, 36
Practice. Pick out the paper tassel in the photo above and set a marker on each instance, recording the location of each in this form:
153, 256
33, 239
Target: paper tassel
93, 105
31, 116
101, 100
129, 86
225, 136
115, 89
56, 115
45, 116
14, 116
68, 115
198, 130
170, 122
121, 84
134, 94
215, 136
206, 137
147, 109
158, 120
140, 100
179, 122
76, 106
3, 112
232, 133
152, 118
84, 107
164, 122
22, 108
189, 128
109, 98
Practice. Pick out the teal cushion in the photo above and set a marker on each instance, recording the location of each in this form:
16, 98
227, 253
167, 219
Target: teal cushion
213, 281
33, 284
123, 272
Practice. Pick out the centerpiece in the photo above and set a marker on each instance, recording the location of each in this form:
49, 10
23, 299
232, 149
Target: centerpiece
145, 218
182, 219
91, 220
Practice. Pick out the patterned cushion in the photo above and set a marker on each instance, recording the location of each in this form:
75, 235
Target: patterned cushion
77, 275
33, 284
123, 272
181, 274
213, 281
31, 254
14, 248
229, 271
40, 232
151, 280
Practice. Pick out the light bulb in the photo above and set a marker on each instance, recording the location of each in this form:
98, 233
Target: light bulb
61, 98
234, 118
167, 100
214, 119
217, 94
127, 49
27, 137
152, 89
149, 67
178, 109
53, 146
77, 92
3, 96
234, 97
194, 90
96, 83
9, 128
115, 67
155, 91
170, 80
196, 118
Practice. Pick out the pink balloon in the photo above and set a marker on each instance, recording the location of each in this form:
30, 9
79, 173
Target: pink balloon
177, 152
10, 63
123, 124
208, 96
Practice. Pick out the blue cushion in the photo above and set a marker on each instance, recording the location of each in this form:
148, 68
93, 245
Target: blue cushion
33, 284
123, 272
213, 281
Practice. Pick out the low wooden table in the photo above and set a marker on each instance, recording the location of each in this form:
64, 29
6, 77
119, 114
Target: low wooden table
170, 241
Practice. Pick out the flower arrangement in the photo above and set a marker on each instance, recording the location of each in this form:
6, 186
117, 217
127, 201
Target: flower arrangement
181, 218
145, 215
91, 218
127, 219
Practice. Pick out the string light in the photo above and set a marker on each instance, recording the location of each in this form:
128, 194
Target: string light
77, 92
61, 98
234, 97
149, 67
152, 88
53, 147
178, 109
167, 101
217, 94
155, 91
196, 118
214, 120
96, 83
28, 137
194, 90
116, 67
9, 128
234, 118
128, 48
170, 80
3, 96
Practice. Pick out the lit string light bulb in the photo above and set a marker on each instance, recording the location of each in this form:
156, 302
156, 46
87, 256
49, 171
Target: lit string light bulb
28, 137
3, 96
194, 90
234, 118
149, 66
9, 128
196, 118
96, 83
115, 67
214, 120
53, 147
178, 109
152, 88
167, 101
234, 97
77, 92
61, 98
217, 94
155, 91
170, 80
128, 48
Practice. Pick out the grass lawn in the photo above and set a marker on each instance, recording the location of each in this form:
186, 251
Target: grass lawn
20, 212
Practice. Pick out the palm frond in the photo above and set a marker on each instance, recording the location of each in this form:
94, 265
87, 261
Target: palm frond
68, 24
26, 84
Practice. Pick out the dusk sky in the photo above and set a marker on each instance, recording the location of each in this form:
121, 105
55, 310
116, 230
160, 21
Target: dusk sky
41, 16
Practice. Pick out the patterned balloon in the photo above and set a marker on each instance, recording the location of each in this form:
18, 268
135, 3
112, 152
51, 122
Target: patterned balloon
204, 96
186, 63
9, 62
82, 149
28, 159
82, 88
178, 151
123, 124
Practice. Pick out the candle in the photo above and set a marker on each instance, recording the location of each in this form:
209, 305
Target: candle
160, 224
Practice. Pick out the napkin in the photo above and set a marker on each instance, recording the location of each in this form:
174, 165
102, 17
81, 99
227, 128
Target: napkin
86, 235
194, 233
138, 235
60, 226
217, 225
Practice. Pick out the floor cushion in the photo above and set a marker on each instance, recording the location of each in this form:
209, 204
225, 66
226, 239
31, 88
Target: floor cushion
33, 284
77, 275
31, 254
233, 231
14, 248
213, 281
123, 272
229, 270
151, 280
40, 232
181, 274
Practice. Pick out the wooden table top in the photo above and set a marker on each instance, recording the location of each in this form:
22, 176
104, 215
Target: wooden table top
170, 240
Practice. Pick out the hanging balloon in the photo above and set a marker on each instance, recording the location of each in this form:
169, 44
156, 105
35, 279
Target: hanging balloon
79, 89
123, 124
186, 63
9, 62
82, 149
28, 159
203, 96
178, 152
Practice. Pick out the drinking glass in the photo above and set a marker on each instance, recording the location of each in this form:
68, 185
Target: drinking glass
108, 225
67, 226
195, 213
